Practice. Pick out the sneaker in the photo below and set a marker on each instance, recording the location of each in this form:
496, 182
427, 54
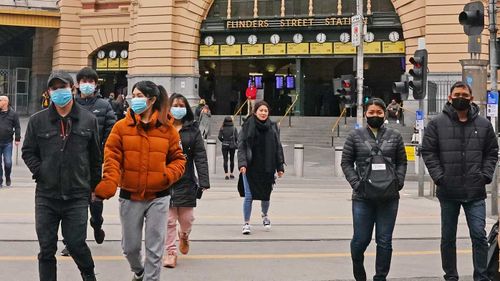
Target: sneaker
226, 177
138, 277
99, 235
266, 222
246, 229
8, 181
231, 176
170, 261
183, 243
397, 121
65, 252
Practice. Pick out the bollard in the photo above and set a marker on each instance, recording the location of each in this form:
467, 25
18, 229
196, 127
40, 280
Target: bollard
338, 158
211, 148
298, 159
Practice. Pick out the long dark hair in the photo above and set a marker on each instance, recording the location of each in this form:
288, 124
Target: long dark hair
150, 89
189, 113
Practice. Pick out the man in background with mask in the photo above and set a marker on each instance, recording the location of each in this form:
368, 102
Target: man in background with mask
62, 151
460, 150
88, 98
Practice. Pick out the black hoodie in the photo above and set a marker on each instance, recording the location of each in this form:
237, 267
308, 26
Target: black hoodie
9, 124
228, 134
460, 156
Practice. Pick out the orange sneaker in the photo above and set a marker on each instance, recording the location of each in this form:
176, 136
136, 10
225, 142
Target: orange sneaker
183, 243
170, 261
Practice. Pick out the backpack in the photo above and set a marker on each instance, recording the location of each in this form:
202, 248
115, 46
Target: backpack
379, 182
231, 143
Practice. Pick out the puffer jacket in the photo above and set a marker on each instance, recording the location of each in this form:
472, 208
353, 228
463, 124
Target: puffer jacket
144, 159
103, 111
228, 134
355, 151
460, 156
183, 192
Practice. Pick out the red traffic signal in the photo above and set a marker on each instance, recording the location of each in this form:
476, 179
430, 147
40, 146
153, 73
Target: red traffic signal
346, 84
419, 73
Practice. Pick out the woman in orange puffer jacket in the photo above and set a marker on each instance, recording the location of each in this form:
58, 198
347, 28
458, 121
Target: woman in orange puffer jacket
143, 155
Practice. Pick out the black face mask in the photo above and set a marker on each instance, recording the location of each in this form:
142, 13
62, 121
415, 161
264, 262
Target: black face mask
460, 104
375, 121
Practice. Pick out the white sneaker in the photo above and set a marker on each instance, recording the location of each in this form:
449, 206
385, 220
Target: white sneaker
246, 229
397, 121
386, 121
266, 222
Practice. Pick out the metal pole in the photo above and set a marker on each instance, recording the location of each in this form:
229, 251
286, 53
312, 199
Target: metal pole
298, 160
359, 66
421, 167
494, 87
211, 155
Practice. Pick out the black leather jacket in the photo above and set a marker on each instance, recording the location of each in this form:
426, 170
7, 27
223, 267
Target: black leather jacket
63, 169
356, 152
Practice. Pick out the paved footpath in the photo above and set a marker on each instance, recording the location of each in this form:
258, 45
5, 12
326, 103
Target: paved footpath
312, 227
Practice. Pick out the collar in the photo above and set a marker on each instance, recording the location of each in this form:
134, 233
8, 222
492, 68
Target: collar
73, 114
134, 119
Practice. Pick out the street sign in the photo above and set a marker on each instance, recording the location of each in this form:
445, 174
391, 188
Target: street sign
492, 104
356, 23
419, 120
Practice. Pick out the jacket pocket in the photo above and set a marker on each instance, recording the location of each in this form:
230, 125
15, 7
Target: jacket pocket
80, 139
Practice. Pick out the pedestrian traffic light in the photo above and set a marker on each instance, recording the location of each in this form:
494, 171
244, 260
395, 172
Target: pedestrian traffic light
348, 88
402, 87
472, 18
419, 74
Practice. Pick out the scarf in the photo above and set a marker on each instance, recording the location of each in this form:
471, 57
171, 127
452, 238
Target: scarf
263, 142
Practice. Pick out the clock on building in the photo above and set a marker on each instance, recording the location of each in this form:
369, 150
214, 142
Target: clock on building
394, 36
209, 41
230, 40
252, 39
345, 37
124, 54
297, 38
275, 38
112, 54
369, 37
321, 38
101, 54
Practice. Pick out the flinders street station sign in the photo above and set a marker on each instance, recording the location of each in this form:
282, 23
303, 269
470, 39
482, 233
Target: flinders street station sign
290, 22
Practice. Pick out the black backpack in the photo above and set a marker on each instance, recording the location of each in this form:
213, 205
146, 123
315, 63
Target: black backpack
379, 181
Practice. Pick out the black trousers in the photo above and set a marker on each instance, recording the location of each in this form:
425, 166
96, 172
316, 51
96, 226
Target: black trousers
228, 153
73, 216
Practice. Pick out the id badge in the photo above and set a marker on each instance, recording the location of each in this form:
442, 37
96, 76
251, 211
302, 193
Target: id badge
378, 167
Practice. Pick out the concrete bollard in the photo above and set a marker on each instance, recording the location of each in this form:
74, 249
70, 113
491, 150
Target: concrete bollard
298, 159
211, 155
338, 158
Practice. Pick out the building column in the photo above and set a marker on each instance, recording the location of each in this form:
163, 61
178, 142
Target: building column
43, 44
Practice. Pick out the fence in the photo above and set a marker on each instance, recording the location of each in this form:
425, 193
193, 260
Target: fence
443, 82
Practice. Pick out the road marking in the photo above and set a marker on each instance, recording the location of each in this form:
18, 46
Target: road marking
249, 256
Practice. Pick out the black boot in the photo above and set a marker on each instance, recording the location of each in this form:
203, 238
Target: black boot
88, 277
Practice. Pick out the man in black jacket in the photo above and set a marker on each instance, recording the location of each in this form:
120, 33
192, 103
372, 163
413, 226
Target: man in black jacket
460, 150
88, 98
9, 124
62, 151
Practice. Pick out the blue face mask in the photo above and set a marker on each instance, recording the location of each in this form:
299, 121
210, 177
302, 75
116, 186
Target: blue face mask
87, 89
61, 97
139, 105
178, 112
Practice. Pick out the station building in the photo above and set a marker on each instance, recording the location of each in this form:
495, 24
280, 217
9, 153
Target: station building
211, 49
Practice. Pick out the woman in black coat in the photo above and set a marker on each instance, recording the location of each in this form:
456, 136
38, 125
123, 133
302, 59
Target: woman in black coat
370, 205
183, 194
260, 156
228, 136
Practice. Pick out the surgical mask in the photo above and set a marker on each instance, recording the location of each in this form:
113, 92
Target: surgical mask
87, 89
178, 112
460, 104
375, 121
139, 105
61, 97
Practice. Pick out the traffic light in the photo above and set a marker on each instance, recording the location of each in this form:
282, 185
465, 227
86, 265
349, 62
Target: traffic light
401, 87
419, 74
472, 18
348, 88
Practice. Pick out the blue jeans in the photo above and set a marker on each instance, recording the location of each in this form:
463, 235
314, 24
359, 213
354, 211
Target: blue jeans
247, 202
366, 215
475, 213
6, 152
72, 216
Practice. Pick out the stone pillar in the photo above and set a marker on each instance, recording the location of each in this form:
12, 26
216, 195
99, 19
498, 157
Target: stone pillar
43, 43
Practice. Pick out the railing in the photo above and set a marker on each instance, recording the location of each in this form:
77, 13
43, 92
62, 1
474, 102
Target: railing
336, 125
238, 112
288, 112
